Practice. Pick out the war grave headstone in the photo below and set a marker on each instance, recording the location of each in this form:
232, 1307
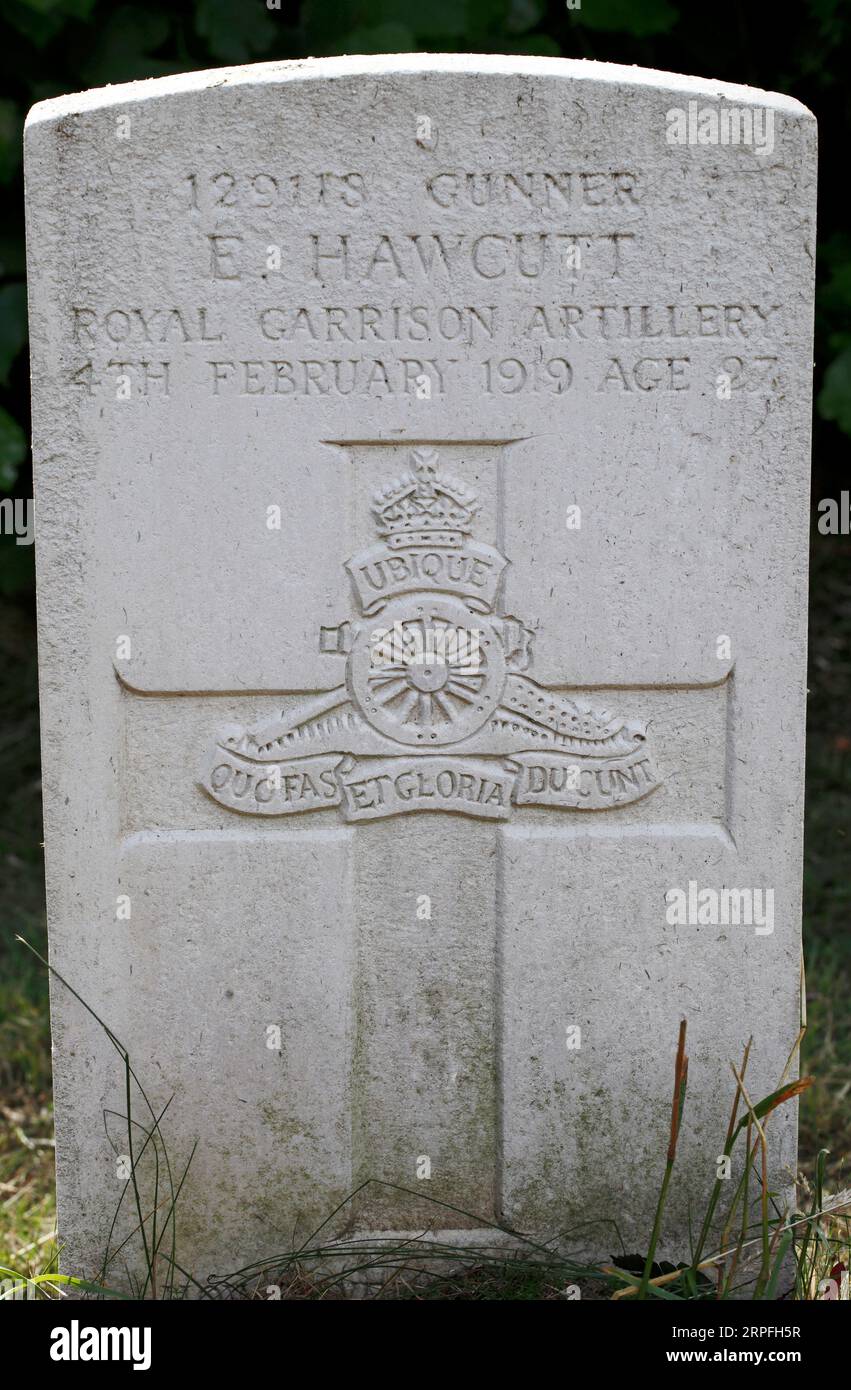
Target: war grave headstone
421, 472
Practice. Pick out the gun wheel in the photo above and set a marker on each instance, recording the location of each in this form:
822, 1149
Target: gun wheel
427, 672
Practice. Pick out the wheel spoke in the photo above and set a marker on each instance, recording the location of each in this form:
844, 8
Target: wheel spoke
389, 692
442, 703
432, 684
462, 692
406, 707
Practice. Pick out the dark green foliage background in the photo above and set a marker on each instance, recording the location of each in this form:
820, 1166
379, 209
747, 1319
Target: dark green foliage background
49, 47
52, 46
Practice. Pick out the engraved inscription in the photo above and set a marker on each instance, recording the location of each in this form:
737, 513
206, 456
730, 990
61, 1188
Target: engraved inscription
383, 350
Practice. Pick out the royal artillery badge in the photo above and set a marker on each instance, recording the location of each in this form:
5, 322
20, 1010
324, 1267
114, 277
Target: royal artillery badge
436, 712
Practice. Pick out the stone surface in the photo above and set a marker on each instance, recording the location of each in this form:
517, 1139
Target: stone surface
413, 350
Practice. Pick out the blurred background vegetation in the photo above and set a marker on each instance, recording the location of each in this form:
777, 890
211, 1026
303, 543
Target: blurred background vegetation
49, 47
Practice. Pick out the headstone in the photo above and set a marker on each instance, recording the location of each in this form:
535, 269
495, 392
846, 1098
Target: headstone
421, 453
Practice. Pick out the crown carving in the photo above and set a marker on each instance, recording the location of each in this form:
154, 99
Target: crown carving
426, 506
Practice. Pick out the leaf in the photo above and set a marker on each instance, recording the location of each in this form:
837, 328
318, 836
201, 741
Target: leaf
834, 399
41, 21
13, 326
778, 1266
234, 33
626, 16
536, 45
386, 38
438, 19
51, 1281
523, 15
120, 52
13, 450
771, 1102
633, 1264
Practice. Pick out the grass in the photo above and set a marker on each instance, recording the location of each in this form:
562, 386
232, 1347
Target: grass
758, 1243
27, 1205
27, 1211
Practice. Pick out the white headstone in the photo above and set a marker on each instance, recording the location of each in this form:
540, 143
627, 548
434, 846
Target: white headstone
421, 453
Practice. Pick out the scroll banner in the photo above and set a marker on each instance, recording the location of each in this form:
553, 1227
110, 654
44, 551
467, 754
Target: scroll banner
470, 570
592, 784
370, 788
